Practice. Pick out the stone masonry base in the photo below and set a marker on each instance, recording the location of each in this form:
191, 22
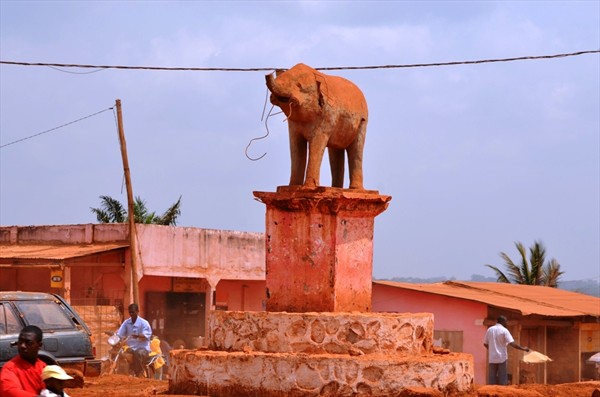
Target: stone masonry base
214, 373
317, 354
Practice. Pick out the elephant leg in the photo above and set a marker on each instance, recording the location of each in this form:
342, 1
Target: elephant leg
355, 158
298, 156
336, 163
316, 149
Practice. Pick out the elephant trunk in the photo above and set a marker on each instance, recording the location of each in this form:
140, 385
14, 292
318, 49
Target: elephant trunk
278, 96
270, 81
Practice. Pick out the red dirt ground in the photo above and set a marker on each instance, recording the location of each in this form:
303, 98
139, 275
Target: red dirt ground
124, 386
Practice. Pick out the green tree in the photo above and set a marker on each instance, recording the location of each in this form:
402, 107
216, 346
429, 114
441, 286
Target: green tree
112, 211
535, 271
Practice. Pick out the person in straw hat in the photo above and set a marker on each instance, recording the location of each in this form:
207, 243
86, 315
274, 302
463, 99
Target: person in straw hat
54, 377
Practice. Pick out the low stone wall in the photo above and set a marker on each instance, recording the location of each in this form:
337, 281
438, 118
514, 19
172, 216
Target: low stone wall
322, 333
270, 354
231, 374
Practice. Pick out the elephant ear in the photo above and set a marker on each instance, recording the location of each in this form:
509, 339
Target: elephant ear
321, 96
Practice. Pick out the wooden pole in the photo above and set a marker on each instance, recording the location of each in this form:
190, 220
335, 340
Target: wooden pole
130, 207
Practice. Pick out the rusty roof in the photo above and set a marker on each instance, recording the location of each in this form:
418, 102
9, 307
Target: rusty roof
54, 252
526, 299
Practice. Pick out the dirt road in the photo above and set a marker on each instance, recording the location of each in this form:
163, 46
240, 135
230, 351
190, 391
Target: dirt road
124, 386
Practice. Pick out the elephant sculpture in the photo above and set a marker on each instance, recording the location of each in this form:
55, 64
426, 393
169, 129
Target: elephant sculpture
322, 111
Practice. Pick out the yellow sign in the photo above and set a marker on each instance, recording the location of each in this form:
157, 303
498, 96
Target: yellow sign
56, 278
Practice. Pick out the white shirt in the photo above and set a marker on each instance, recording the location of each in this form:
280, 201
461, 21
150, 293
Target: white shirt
48, 393
497, 338
140, 327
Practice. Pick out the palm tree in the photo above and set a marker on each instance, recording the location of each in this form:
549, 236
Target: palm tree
536, 271
112, 211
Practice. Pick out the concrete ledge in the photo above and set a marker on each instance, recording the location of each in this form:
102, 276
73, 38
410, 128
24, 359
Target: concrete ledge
322, 333
238, 374
326, 200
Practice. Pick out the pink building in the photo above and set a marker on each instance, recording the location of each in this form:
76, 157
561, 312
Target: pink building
563, 325
183, 273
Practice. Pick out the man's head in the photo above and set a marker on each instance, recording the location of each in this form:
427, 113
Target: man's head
30, 343
133, 309
54, 377
503, 321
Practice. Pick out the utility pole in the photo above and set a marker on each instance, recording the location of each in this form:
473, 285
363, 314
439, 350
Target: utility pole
130, 207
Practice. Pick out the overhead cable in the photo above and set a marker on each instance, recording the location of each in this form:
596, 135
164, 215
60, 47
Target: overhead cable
198, 69
55, 128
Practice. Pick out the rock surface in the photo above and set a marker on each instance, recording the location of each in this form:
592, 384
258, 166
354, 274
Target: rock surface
308, 354
293, 374
322, 333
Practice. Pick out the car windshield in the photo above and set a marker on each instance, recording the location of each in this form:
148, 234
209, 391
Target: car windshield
47, 315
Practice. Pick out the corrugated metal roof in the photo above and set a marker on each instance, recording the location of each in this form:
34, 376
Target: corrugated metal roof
52, 252
526, 299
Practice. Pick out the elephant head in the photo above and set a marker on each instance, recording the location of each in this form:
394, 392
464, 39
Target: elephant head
322, 111
297, 89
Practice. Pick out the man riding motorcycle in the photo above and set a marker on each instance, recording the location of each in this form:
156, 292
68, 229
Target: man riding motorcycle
137, 332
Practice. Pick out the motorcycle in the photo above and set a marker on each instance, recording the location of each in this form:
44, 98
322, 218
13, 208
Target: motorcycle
119, 358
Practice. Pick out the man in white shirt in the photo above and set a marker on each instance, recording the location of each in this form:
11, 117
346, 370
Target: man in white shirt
138, 333
497, 338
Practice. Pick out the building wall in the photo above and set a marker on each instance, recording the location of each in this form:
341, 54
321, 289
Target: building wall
61, 234
562, 342
239, 295
201, 253
449, 315
163, 250
28, 279
589, 345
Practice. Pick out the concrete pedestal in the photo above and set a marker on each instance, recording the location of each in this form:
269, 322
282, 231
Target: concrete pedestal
318, 336
320, 248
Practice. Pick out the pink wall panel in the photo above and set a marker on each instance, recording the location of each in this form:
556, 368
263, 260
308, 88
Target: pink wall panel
450, 314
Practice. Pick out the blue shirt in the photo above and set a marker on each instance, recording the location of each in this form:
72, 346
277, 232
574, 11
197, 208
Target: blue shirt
140, 327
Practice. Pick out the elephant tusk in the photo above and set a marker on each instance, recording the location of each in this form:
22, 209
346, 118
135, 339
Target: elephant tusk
287, 118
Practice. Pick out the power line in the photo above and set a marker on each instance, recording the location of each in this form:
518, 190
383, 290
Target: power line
414, 65
102, 67
55, 128
68, 71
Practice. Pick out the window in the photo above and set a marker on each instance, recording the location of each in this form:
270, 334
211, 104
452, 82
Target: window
46, 314
451, 340
9, 323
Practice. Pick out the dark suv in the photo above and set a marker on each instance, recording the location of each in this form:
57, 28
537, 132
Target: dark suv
67, 340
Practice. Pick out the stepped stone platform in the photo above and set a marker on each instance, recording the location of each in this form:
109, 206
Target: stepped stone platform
318, 336
314, 354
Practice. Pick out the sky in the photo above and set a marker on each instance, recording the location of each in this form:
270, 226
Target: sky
476, 157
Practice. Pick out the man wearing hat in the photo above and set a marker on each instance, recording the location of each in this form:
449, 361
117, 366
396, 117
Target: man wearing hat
54, 377
497, 339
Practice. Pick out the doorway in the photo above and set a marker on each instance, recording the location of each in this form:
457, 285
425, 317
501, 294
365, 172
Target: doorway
177, 316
